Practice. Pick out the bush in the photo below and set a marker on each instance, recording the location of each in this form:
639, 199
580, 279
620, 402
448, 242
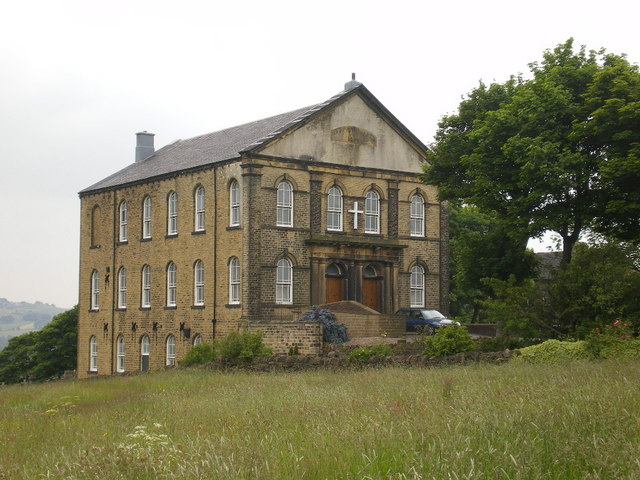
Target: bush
242, 345
332, 331
364, 354
503, 342
615, 340
199, 355
449, 340
553, 351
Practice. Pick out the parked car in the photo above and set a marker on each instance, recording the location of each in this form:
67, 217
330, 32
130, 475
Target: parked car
424, 319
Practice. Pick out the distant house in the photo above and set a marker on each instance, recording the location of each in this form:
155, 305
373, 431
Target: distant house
252, 225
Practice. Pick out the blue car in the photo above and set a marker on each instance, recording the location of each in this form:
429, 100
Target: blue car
424, 320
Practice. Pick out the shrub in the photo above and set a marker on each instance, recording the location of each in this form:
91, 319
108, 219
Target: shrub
503, 342
199, 355
332, 331
553, 351
242, 345
615, 340
364, 354
449, 340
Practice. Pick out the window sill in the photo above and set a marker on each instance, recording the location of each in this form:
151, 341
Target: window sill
142, 309
171, 235
92, 372
233, 227
197, 307
94, 310
146, 239
233, 305
93, 247
120, 309
122, 242
198, 232
171, 307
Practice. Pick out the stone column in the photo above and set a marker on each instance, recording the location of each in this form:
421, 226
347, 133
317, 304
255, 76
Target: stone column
252, 219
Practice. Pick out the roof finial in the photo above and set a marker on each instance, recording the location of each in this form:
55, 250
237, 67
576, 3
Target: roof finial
353, 83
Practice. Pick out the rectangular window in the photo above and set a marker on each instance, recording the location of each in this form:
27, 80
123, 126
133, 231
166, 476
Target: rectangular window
198, 293
172, 214
123, 222
199, 220
234, 204
146, 287
171, 286
122, 288
146, 218
234, 281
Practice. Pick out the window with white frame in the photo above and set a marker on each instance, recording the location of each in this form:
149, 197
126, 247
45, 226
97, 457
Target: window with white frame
171, 285
120, 354
417, 216
145, 351
199, 213
95, 290
417, 286
146, 217
172, 214
123, 221
284, 205
93, 354
234, 280
198, 283
372, 212
234, 204
334, 209
145, 300
284, 282
122, 288
171, 351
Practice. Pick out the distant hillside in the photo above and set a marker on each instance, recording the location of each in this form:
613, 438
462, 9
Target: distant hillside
17, 318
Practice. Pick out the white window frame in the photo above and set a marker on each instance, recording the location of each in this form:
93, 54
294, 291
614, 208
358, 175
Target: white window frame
372, 212
234, 281
284, 205
334, 209
146, 217
122, 237
170, 344
171, 284
145, 298
284, 282
234, 204
417, 286
417, 216
122, 288
95, 290
199, 210
172, 214
198, 283
145, 350
120, 354
93, 354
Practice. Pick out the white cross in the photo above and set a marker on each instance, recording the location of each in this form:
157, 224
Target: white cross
355, 212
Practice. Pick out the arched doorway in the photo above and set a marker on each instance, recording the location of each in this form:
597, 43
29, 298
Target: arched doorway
334, 275
370, 282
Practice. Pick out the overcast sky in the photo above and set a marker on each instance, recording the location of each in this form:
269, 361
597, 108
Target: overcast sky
79, 78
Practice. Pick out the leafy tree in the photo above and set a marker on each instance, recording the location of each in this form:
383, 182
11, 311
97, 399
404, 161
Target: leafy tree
482, 247
559, 151
44, 354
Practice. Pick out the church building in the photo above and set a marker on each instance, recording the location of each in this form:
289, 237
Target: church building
255, 224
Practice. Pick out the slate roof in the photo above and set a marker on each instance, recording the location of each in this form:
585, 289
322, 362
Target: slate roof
228, 144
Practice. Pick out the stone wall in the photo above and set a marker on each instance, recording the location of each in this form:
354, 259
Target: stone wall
284, 336
373, 325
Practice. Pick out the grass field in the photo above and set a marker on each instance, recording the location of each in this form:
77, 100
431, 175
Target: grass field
514, 421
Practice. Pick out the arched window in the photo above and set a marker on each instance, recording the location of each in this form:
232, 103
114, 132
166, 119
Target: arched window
145, 300
172, 214
171, 285
197, 340
284, 282
122, 288
417, 216
171, 351
334, 209
198, 283
417, 286
284, 205
146, 217
234, 281
234, 204
95, 290
199, 213
145, 350
93, 354
123, 221
372, 212
333, 270
120, 354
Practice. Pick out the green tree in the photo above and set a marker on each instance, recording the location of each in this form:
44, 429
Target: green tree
44, 354
559, 151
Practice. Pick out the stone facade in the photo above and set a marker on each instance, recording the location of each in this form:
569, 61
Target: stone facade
150, 316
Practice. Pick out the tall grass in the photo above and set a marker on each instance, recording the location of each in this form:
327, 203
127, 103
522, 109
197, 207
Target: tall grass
514, 421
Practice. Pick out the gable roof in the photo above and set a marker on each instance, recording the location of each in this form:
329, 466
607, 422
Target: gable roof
229, 144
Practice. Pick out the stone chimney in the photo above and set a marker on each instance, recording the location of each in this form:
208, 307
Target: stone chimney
353, 83
144, 145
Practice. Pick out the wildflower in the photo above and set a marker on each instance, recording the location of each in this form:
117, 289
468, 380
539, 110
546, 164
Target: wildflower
616, 323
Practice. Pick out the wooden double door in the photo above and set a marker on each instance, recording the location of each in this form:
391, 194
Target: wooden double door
338, 286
